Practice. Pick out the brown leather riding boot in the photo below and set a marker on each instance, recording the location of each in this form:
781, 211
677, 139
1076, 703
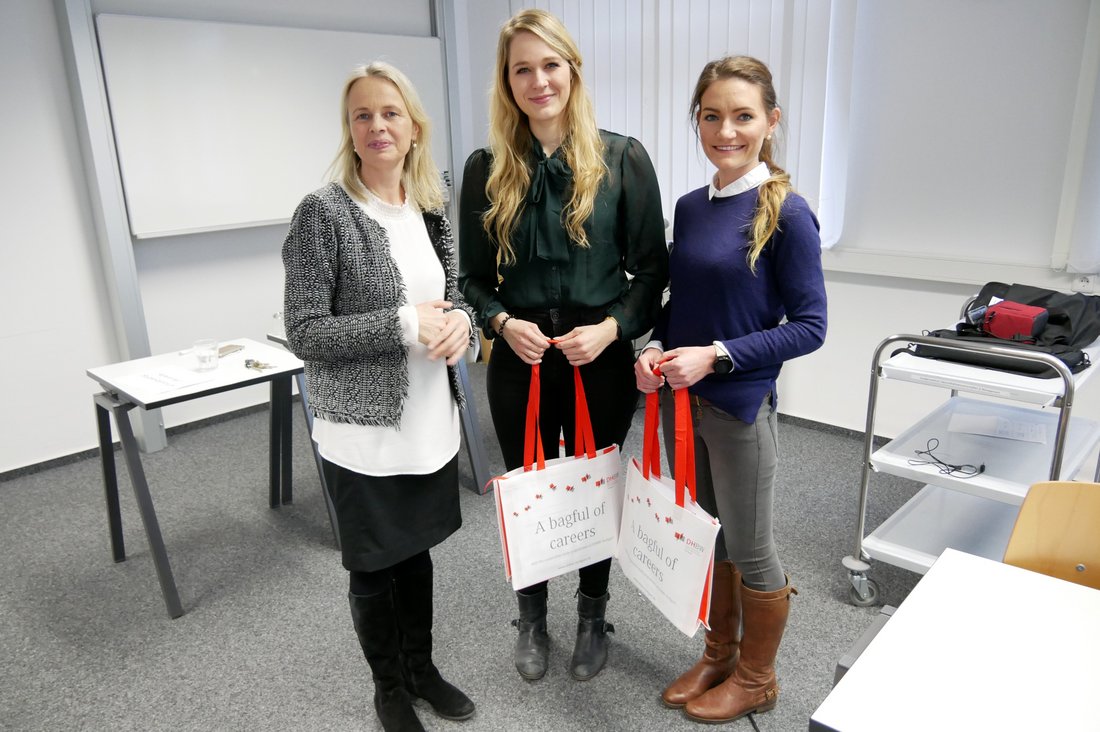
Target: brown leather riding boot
752, 686
720, 654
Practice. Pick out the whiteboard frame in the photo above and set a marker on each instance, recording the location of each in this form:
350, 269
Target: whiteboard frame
227, 125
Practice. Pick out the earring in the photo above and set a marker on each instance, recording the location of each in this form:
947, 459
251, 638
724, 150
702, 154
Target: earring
414, 144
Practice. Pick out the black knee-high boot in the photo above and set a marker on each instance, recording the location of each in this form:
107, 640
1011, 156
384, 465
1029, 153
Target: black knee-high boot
413, 594
376, 626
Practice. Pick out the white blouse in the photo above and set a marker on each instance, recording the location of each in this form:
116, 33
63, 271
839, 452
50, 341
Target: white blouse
428, 436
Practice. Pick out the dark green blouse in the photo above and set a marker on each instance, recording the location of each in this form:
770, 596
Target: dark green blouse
625, 235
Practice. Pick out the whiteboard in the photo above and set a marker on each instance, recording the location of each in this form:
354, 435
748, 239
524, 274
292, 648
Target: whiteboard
222, 125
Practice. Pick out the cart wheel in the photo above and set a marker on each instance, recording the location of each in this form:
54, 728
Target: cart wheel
872, 595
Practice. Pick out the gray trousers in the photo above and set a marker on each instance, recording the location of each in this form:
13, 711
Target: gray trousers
735, 467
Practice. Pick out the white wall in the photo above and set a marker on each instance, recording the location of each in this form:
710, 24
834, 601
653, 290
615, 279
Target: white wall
57, 320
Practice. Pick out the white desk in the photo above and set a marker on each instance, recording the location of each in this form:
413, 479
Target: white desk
977, 645
157, 381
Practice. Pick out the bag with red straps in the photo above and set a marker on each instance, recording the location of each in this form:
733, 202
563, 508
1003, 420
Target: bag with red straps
558, 515
666, 541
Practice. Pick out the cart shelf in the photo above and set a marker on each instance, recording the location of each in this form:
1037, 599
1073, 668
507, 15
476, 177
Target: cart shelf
1011, 466
937, 518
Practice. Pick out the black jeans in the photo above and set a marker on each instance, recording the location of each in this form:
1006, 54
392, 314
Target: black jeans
609, 387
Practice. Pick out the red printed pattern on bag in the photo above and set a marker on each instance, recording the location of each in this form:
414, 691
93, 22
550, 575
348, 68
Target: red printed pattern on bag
679, 535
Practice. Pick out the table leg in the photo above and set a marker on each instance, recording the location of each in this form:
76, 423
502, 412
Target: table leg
333, 522
274, 497
282, 489
110, 478
145, 507
475, 448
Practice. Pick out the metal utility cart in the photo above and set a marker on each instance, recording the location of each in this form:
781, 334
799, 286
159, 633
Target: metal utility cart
974, 514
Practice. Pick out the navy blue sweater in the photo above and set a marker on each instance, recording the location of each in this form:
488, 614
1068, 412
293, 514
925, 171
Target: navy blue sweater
715, 297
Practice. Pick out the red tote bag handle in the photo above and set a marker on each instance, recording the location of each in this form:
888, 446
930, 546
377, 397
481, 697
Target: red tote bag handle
533, 455
582, 424
685, 448
651, 442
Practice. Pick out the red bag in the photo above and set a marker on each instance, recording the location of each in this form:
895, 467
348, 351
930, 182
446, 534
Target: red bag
1014, 321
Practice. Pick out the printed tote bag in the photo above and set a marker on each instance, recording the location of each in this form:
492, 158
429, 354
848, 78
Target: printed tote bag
666, 541
561, 514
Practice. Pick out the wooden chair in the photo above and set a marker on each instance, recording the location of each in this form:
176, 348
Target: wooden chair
1057, 532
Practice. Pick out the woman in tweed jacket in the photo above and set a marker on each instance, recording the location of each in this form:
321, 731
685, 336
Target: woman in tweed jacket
381, 378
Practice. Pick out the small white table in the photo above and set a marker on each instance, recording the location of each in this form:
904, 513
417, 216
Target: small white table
977, 645
157, 381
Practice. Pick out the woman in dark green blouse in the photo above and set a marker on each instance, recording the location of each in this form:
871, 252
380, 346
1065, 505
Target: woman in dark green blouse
561, 236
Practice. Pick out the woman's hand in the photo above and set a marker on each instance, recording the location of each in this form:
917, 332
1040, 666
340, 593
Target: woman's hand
585, 342
453, 339
525, 340
648, 382
683, 367
431, 319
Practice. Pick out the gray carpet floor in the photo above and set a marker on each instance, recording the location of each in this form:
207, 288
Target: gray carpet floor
267, 643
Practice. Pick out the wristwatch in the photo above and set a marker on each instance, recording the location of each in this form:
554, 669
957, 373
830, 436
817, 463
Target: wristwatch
723, 364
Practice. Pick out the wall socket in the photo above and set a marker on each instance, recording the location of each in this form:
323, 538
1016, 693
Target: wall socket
1089, 283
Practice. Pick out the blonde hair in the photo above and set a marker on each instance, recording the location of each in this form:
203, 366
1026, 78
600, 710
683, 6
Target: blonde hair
510, 139
773, 191
420, 176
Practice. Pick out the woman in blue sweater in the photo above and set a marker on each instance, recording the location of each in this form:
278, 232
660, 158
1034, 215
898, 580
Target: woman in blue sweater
747, 294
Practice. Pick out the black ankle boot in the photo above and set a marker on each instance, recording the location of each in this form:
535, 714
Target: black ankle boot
590, 651
533, 642
413, 594
376, 626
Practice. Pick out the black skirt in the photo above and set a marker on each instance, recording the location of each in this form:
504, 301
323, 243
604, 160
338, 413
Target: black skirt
386, 519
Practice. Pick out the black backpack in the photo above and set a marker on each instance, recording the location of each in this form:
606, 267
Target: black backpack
1073, 324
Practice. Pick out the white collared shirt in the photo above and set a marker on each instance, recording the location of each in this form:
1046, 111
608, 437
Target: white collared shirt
747, 182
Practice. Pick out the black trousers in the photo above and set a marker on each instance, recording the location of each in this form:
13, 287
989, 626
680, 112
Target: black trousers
610, 390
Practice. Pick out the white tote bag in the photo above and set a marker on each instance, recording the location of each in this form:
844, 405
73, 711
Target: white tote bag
666, 541
558, 515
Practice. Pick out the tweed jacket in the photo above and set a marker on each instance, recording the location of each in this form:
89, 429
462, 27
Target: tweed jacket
342, 293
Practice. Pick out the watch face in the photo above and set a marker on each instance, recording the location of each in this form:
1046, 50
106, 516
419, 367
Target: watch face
723, 365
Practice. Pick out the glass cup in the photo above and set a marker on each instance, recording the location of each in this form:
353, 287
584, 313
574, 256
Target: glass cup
206, 354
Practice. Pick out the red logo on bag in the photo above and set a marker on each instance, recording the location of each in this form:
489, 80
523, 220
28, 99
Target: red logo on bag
648, 502
599, 482
515, 513
526, 508
668, 519
679, 535
538, 496
585, 477
657, 516
553, 487
568, 487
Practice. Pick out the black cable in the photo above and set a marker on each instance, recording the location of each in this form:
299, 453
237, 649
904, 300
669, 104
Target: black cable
964, 470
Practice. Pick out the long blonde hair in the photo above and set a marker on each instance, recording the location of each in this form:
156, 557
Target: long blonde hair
419, 176
510, 139
773, 191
